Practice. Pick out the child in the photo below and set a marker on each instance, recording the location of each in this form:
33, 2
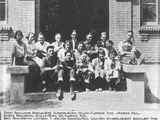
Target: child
113, 68
83, 73
98, 66
68, 66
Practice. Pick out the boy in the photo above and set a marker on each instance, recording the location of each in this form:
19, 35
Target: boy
50, 72
68, 67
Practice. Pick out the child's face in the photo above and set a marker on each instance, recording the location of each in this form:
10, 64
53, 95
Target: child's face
80, 47
113, 65
67, 46
89, 38
101, 56
68, 56
50, 51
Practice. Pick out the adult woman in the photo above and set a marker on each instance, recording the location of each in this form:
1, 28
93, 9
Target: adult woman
19, 50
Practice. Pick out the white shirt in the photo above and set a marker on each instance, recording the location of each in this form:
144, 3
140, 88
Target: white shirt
42, 47
57, 46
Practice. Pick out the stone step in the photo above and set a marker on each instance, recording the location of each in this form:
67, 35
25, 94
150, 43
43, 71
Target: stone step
109, 96
40, 96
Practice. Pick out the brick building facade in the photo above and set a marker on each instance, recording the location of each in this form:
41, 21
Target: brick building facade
120, 17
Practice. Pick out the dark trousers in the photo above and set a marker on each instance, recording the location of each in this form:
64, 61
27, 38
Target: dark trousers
32, 80
101, 83
49, 80
84, 79
113, 83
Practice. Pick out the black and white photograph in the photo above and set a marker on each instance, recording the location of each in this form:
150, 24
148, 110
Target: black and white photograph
80, 55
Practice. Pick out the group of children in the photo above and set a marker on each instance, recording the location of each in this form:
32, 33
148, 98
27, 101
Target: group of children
73, 63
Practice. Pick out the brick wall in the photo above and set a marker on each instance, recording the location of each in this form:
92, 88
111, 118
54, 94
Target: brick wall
120, 23
21, 16
120, 19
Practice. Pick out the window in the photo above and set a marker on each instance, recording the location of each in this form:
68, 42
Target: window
149, 12
3, 10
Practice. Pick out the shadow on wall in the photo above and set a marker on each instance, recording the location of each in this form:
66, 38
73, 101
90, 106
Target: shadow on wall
149, 96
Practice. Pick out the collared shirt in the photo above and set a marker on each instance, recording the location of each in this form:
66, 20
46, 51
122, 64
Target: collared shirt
74, 43
61, 54
42, 47
57, 46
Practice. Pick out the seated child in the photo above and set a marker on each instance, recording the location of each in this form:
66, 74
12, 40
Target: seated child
68, 66
98, 67
83, 72
112, 67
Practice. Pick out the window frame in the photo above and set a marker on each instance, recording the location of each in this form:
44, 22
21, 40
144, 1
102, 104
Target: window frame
6, 12
149, 23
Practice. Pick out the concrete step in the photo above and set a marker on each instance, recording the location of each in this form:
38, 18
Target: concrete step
31, 97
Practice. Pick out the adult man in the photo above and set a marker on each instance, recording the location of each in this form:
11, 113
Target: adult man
41, 46
102, 41
58, 44
130, 36
61, 53
102, 44
90, 47
74, 39
128, 52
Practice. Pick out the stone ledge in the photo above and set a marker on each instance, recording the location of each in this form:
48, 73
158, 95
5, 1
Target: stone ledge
18, 69
136, 68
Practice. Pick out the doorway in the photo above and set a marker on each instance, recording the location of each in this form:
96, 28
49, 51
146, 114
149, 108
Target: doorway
65, 15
